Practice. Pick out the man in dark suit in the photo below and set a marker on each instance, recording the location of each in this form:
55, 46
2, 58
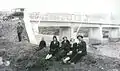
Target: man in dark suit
19, 31
80, 48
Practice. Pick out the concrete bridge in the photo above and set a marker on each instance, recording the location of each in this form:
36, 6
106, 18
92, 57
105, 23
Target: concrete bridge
70, 25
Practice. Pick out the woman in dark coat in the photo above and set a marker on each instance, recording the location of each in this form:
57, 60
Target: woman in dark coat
54, 46
65, 44
65, 48
70, 54
42, 44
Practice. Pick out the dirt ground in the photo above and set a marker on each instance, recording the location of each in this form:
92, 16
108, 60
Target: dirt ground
26, 57
111, 49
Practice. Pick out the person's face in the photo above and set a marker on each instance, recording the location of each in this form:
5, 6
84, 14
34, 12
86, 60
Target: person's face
54, 39
18, 23
73, 40
79, 38
65, 39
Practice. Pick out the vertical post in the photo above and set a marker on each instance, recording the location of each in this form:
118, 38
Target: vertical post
60, 34
72, 32
101, 33
35, 28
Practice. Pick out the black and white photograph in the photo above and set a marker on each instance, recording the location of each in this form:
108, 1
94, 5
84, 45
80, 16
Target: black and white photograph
60, 35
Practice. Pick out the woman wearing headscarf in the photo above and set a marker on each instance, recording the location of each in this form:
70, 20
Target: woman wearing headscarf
42, 44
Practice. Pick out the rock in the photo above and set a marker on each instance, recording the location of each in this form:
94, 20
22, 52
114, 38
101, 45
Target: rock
7, 63
1, 61
2, 52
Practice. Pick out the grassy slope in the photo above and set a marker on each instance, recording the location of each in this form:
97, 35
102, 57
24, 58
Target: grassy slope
24, 55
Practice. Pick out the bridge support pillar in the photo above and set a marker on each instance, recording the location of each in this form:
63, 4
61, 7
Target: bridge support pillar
73, 34
96, 34
114, 33
65, 31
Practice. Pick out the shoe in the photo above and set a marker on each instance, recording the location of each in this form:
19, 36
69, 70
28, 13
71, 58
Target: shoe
69, 62
72, 63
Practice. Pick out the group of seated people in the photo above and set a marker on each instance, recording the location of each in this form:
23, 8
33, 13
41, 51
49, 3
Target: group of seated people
67, 51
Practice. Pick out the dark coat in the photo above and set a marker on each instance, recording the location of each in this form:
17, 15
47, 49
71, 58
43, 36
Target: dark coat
66, 45
74, 51
65, 48
54, 47
42, 44
80, 47
19, 29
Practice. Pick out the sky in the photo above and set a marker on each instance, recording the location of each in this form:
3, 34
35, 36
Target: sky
64, 6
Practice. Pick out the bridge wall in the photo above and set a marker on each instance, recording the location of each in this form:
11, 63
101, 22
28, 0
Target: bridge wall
67, 22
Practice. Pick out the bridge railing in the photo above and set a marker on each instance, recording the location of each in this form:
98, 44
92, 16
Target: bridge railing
63, 17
